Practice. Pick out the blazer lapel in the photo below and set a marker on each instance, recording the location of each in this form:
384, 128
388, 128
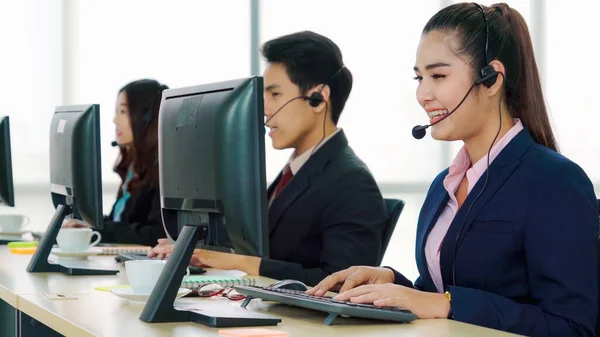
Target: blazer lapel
292, 191
499, 171
430, 217
301, 180
271, 188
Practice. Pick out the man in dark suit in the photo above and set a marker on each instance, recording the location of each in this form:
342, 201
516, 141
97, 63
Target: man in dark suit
326, 212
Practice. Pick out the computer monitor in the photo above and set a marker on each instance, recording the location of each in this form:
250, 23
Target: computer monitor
75, 181
7, 196
212, 184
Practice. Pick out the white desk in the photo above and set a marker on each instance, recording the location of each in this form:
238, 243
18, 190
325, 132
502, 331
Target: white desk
103, 314
97, 313
15, 280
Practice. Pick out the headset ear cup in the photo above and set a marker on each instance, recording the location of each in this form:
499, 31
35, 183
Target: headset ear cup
488, 76
147, 117
315, 99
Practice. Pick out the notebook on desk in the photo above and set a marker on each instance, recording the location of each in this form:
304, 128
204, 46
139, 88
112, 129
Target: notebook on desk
194, 281
117, 250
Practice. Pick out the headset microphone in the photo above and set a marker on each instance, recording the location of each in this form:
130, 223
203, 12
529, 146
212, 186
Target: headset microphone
419, 130
113, 144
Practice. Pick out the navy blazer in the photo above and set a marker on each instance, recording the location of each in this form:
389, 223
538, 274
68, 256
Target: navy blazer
141, 222
329, 217
526, 257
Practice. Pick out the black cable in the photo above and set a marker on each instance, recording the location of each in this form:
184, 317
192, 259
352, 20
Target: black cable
323, 137
487, 174
283, 106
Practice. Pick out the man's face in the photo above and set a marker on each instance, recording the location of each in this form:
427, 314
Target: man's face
296, 120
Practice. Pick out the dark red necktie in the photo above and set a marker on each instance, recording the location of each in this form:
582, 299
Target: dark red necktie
285, 179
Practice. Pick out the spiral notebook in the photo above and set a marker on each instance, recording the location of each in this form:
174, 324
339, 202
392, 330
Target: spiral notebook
195, 281
116, 250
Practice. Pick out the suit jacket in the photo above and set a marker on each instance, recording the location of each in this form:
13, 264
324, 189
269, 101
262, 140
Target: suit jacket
141, 221
526, 256
329, 217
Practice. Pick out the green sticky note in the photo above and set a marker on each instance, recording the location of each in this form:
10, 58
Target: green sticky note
109, 288
22, 244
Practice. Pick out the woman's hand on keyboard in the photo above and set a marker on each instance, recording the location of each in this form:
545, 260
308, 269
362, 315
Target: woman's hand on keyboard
351, 278
421, 303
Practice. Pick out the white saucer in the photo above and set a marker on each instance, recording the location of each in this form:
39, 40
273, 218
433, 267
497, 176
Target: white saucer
76, 255
127, 293
19, 233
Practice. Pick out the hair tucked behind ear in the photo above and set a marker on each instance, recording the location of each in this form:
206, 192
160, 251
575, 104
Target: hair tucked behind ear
509, 43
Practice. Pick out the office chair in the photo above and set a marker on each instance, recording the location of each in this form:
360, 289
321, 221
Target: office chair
394, 208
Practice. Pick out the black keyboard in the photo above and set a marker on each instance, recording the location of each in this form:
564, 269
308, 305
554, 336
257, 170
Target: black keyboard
133, 256
335, 308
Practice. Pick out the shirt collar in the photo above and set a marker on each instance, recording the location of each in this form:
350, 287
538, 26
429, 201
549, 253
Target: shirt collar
461, 165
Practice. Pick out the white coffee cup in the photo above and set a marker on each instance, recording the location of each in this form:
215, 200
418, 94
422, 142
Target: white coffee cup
13, 223
76, 239
143, 274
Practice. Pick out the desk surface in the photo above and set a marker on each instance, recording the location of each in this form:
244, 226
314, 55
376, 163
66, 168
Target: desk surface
15, 280
97, 313
102, 314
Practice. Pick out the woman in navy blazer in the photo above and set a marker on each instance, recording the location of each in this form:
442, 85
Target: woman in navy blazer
506, 238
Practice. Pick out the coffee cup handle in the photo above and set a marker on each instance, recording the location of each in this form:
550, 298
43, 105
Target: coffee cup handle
97, 241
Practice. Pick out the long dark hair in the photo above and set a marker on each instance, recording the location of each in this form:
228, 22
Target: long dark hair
509, 43
143, 102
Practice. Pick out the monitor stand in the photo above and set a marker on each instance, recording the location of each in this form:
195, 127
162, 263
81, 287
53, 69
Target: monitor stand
39, 262
159, 308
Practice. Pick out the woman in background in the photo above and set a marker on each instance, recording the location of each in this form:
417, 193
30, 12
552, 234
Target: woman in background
136, 216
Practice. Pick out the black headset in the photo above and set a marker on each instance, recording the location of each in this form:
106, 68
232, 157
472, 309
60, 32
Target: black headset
487, 77
316, 97
488, 74
147, 115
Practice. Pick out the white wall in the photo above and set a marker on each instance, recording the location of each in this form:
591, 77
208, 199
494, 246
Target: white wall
30, 81
570, 79
177, 42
